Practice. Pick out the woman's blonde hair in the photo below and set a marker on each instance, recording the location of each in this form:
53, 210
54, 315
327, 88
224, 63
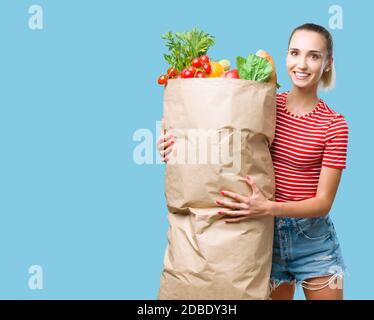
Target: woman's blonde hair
328, 78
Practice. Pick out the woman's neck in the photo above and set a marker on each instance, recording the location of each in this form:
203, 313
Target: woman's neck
301, 101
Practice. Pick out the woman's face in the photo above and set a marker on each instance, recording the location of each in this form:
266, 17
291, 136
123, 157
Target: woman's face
307, 58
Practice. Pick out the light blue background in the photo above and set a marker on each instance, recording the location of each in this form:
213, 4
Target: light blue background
73, 201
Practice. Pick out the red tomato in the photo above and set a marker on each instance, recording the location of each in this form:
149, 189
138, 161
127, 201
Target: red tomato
183, 72
207, 68
196, 63
200, 74
162, 79
204, 59
231, 74
172, 72
187, 74
192, 69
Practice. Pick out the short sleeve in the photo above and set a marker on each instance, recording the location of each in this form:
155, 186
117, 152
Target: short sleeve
336, 144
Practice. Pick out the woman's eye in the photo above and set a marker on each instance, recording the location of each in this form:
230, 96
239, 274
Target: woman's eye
293, 53
315, 57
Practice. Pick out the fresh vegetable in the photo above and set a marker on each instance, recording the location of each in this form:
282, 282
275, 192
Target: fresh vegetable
187, 58
204, 59
172, 72
225, 64
192, 69
183, 72
253, 68
196, 63
185, 46
187, 73
207, 68
200, 74
233, 74
217, 70
163, 79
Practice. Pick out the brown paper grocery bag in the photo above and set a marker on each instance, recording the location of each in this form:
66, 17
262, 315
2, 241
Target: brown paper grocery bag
223, 130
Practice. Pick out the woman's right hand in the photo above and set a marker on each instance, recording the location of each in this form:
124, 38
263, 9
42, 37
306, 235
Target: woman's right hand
164, 145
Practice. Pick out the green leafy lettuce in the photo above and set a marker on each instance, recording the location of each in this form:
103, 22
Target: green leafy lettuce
253, 68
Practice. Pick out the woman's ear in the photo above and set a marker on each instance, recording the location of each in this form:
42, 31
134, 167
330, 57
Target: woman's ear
329, 64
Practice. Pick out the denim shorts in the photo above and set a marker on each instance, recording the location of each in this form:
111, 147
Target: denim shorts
305, 248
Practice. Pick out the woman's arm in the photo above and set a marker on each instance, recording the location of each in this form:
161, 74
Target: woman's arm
318, 206
258, 206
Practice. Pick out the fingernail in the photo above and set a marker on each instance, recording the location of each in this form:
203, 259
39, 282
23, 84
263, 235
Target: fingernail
217, 201
223, 193
172, 142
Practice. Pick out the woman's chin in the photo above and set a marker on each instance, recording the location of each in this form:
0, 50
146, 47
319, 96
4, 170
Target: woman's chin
302, 84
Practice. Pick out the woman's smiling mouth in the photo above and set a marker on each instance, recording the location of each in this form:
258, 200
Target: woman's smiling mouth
301, 75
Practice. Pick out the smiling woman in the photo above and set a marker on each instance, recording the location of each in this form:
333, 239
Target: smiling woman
308, 153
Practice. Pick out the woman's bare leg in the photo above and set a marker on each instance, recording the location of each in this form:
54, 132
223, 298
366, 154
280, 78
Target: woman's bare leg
285, 291
324, 288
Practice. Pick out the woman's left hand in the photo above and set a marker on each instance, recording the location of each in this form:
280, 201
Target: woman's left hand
245, 208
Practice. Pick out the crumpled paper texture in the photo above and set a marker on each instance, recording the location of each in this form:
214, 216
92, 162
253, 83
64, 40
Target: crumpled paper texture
223, 128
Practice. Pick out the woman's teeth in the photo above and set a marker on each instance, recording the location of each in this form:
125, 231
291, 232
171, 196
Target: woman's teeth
301, 75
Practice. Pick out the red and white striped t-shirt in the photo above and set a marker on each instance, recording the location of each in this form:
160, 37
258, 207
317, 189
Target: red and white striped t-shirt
302, 145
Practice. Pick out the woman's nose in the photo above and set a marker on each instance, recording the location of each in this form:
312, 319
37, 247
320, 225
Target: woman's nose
301, 63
